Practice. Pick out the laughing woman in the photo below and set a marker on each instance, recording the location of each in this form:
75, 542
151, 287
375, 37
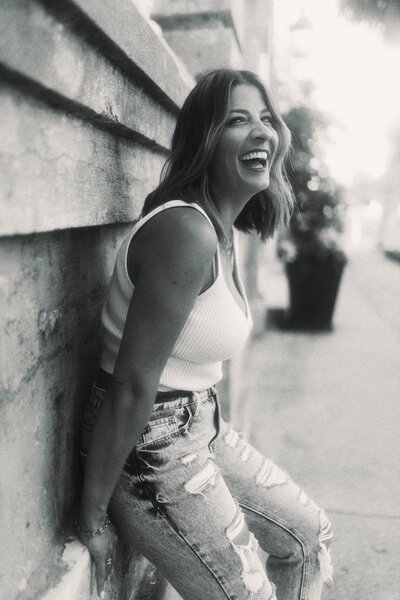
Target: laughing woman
178, 483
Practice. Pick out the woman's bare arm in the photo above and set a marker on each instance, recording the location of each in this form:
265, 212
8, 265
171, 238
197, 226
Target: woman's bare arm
174, 257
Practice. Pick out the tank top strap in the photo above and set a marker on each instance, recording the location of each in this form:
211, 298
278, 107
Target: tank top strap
165, 206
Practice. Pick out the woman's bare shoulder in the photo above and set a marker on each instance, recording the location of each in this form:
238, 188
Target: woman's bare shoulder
184, 223
180, 234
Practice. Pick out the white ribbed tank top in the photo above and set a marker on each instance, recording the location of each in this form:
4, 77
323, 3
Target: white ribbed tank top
215, 331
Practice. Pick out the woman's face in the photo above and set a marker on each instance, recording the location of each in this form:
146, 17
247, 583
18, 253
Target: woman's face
248, 142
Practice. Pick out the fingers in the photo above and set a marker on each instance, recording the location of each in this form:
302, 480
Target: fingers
103, 570
101, 576
103, 550
109, 566
104, 566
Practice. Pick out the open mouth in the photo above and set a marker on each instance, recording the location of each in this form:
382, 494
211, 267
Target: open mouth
256, 161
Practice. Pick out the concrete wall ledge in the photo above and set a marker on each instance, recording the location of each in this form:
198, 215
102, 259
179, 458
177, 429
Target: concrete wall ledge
60, 172
90, 93
192, 14
75, 583
119, 29
92, 72
72, 577
118, 19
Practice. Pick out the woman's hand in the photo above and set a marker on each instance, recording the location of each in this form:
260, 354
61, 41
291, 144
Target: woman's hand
103, 551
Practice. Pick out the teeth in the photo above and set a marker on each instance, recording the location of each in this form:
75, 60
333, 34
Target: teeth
259, 154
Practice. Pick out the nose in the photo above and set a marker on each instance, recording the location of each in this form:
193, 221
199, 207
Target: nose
260, 131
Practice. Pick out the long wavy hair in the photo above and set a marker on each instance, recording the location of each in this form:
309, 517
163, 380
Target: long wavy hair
186, 173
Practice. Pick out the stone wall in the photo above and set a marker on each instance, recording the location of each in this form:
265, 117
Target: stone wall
89, 96
206, 34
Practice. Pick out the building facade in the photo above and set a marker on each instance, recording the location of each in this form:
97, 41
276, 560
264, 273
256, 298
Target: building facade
89, 93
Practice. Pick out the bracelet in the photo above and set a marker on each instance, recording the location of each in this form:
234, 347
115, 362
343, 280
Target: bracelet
91, 533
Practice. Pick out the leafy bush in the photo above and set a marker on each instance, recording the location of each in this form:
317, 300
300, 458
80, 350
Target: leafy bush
318, 220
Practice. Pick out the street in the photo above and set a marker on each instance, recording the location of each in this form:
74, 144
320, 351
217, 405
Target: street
324, 406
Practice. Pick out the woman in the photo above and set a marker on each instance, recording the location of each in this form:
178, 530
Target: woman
191, 490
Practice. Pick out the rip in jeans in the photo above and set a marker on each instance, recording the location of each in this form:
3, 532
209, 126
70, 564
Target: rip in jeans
270, 475
202, 480
324, 557
245, 545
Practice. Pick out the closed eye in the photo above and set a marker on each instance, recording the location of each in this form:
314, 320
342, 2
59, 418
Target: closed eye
268, 119
236, 120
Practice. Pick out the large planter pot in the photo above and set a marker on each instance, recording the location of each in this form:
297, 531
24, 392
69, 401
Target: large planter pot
313, 289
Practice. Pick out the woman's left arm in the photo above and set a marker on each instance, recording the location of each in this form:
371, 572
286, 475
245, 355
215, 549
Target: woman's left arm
171, 272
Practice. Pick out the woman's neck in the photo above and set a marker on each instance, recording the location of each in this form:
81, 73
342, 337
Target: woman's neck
229, 210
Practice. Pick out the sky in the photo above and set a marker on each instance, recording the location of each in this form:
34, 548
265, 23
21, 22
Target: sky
357, 81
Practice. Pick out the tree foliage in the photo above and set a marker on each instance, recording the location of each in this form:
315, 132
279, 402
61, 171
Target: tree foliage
318, 219
370, 10
383, 13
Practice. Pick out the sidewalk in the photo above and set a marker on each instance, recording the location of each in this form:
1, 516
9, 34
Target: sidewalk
326, 408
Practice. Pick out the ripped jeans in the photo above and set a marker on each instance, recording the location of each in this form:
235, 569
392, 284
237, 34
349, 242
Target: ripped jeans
199, 502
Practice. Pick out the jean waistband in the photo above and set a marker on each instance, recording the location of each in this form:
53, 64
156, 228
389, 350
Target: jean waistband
174, 398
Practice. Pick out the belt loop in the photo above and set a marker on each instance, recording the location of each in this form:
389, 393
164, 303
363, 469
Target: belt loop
217, 419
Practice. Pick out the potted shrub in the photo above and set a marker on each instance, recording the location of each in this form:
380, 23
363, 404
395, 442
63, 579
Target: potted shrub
311, 247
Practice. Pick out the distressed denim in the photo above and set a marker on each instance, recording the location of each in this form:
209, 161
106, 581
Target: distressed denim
199, 502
